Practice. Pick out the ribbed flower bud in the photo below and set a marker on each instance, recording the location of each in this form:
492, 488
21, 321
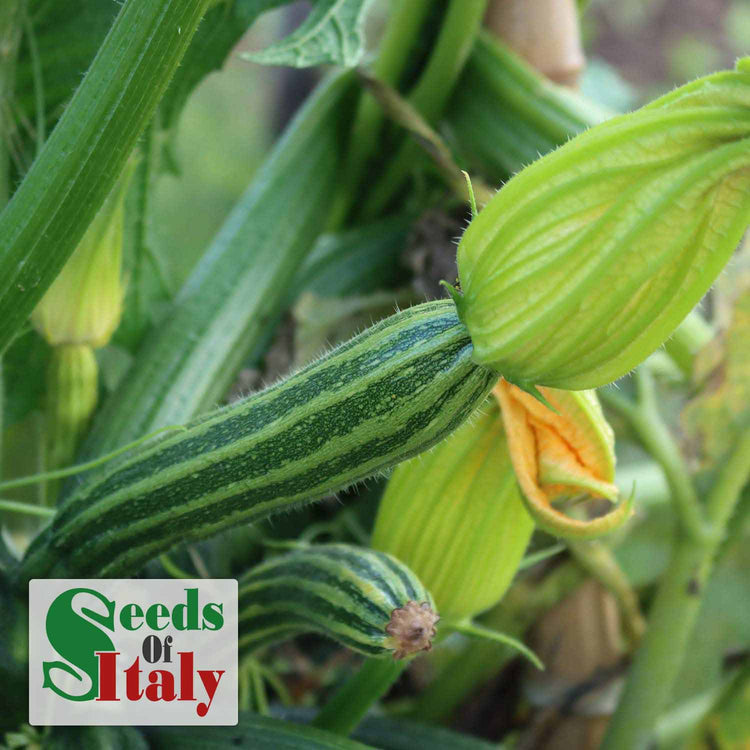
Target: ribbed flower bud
455, 516
561, 454
84, 303
79, 313
588, 259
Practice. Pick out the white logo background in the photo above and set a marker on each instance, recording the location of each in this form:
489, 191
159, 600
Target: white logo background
213, 650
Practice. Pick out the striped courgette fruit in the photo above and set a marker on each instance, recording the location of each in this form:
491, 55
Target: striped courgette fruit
393, 391
366, 600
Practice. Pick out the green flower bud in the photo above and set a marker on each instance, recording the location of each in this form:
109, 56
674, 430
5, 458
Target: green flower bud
84, 303
588, 259
456, 518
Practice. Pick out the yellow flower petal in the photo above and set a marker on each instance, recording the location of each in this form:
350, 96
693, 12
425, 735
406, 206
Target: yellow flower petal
559, 454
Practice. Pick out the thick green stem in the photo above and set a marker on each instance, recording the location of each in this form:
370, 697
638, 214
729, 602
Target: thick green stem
656, 438
404, 25
658, 661
673, 613
354, 699
11, 13
79, 164
459, 30
689, 338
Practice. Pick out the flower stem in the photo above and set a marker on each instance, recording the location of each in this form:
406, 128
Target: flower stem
653, 433
689, 338
401, 33
460, 27
10, 35
659, 658
673, 613
596, 558
354, 699
28, 509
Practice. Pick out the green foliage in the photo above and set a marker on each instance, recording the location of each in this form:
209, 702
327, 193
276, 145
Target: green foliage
584, 262
80, 163
331, 34
256, 732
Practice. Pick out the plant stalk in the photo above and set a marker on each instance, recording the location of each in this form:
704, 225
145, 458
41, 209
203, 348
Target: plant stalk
404, 24
656, 438
72, 393
348, 706
673, 613
11, 13
82, 159
430, 95
10, 36
689, 338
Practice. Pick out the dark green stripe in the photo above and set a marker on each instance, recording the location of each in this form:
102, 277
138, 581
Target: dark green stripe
292, 598
398, 569
305, 571
368, 566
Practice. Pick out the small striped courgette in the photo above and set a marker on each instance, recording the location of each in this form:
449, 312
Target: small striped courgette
393, 391
365, 600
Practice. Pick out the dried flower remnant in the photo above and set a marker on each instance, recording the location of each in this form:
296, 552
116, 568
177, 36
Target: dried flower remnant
412, 628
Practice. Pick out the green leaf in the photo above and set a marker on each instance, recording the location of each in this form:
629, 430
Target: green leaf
402, 734
331, 34
389, 733
95, 738
256, 732
221, 29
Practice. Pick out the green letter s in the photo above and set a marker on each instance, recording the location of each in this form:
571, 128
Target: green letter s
77, 640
